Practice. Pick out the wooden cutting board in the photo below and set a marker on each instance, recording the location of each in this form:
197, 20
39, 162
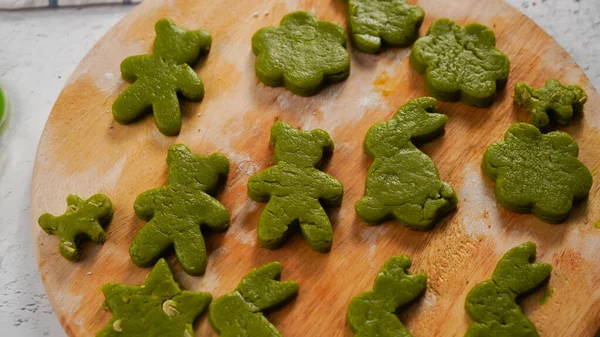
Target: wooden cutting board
84, 151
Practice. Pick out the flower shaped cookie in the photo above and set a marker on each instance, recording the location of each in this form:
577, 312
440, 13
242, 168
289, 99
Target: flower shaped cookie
552, 101
391, 22
537, 173
302, 54
460, 63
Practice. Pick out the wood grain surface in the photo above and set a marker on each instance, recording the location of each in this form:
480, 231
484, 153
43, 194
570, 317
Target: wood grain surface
84, 151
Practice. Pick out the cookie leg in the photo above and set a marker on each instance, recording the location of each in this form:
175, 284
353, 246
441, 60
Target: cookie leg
130, 105
149, 244
273, 226
191, 251
167, 114
316, 229
95, 232
68, 248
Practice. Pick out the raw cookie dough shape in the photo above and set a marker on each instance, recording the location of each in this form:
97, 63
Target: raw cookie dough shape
177, 210
159, 308
2, 107
240, 313
161, 77
373, 313
460, 63
302, 54
389, 22
491, 304
403, 182
537, 173
295, 189
84, 219
553, 101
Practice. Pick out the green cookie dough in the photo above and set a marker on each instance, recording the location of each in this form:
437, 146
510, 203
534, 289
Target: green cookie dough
2, 103
177, 210
537, 173
393, 22
295, 189
159, 308
553, 101
240, 313
373, 313
403, 182
492, 303
302, 54
159, 78
84, 219
460, 63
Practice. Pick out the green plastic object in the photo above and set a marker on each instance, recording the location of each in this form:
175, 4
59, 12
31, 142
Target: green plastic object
537, 173
460, 63
295, 189
83, 220
176, 211
240, 313
373, 313
552, 103
159, 308
161, 77
302, 54
2, 107
403, 183
492, 303
377, 23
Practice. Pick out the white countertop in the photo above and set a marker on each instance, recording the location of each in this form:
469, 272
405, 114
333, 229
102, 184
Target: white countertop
38, 51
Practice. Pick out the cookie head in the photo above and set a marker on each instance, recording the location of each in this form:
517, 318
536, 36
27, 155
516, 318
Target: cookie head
299, 147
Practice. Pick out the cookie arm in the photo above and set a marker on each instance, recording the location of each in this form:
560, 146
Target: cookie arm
191, 304
216, 215
48, 223
145, 203
130, 67
331, 190
262, 287
189, 84
261, 185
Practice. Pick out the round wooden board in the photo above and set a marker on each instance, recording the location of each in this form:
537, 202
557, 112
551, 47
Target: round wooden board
84, 151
